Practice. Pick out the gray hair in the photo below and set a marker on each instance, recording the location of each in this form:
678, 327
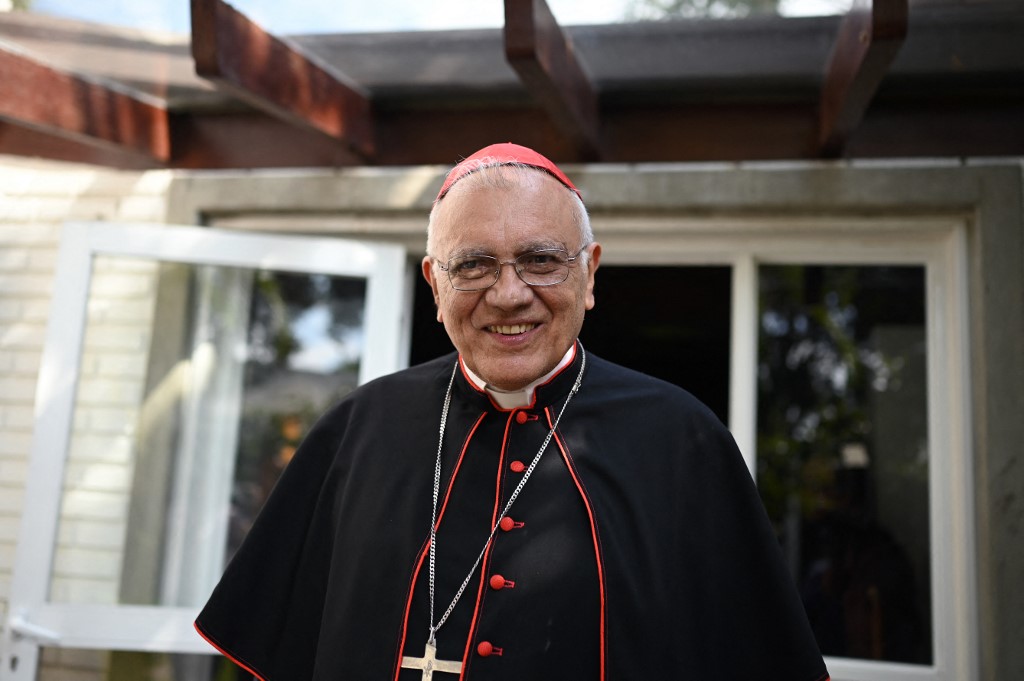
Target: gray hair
516, 175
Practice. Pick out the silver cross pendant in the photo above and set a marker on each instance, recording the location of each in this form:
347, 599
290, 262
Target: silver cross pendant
430, 664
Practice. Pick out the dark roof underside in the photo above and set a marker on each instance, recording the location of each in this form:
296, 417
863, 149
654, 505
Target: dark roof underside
943, 80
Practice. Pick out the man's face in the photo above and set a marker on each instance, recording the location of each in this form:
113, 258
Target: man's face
510, 334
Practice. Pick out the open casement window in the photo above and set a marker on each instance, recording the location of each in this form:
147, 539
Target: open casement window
182, 367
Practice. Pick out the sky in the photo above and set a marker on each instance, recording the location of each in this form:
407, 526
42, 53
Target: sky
354, 16
330, 16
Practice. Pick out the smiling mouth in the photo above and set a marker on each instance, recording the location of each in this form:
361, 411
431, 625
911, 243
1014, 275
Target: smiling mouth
511, 329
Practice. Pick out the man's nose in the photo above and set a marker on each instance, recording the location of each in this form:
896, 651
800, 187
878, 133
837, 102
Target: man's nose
509, 290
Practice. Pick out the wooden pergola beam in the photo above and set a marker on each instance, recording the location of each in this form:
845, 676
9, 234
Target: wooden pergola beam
252, 139
276, 77
544, 57
65, 107
869, 37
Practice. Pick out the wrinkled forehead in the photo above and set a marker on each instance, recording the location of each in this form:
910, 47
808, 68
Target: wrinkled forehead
518, 202
499, 178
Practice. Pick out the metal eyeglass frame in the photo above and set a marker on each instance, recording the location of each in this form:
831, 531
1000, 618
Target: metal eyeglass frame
498, 264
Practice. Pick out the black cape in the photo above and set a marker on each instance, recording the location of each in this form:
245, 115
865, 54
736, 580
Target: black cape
639, 549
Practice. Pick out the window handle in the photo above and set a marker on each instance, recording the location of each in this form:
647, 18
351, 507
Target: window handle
20, 627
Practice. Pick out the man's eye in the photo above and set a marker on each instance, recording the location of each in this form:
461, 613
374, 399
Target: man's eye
541, 260
538, 259
471, 267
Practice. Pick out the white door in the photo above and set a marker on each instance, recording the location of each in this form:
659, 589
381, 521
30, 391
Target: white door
182, 366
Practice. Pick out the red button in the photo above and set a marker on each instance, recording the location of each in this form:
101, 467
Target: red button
517, 466
506, 524
484, 649
497, 582
521, 417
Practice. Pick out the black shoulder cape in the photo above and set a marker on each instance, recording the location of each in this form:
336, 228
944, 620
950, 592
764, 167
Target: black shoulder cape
692, 580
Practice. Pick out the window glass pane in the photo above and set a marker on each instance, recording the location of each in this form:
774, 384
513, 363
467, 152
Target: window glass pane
197, 382
668, 322
843, 451
305, 337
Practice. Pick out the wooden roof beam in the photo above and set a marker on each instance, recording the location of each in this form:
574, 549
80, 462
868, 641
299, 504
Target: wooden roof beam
277, 77
63, 107
544, 57
869, 37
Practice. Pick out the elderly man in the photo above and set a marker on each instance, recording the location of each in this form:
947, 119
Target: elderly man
520, 509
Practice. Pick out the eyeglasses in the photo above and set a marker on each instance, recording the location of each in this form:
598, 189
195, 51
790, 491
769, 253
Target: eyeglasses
545, 267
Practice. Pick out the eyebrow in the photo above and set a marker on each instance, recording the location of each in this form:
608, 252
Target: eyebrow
525, 248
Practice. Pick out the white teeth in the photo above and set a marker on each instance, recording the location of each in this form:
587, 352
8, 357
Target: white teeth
511, 329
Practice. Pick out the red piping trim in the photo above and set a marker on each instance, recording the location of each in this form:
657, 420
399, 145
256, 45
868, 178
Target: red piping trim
553, 376
485, 563
408, 606
223, 651
462, 455
472, 383
480, 390
593, 532
426, 545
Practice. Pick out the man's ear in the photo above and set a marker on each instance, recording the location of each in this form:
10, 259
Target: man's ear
427, 267
592, 264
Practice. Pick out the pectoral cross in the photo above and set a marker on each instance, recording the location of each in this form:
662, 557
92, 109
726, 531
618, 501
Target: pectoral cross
430, 664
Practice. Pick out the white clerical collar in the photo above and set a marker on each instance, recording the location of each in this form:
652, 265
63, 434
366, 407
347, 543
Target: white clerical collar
507, 399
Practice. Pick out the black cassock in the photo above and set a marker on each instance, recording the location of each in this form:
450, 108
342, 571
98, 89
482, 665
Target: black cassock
639, 548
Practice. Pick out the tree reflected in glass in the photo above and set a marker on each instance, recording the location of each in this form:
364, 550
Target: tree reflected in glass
843, 451
304, 345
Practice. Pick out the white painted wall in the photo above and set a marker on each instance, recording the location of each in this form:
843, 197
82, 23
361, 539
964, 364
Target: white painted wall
97, 483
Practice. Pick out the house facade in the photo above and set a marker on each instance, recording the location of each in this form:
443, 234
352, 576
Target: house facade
167, 334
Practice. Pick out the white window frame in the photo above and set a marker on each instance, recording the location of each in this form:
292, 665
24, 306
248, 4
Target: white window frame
34, 621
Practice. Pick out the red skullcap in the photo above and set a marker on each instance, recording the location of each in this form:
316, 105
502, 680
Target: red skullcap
503, 154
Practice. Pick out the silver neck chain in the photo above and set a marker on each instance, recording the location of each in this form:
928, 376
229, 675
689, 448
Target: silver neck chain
515, 493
